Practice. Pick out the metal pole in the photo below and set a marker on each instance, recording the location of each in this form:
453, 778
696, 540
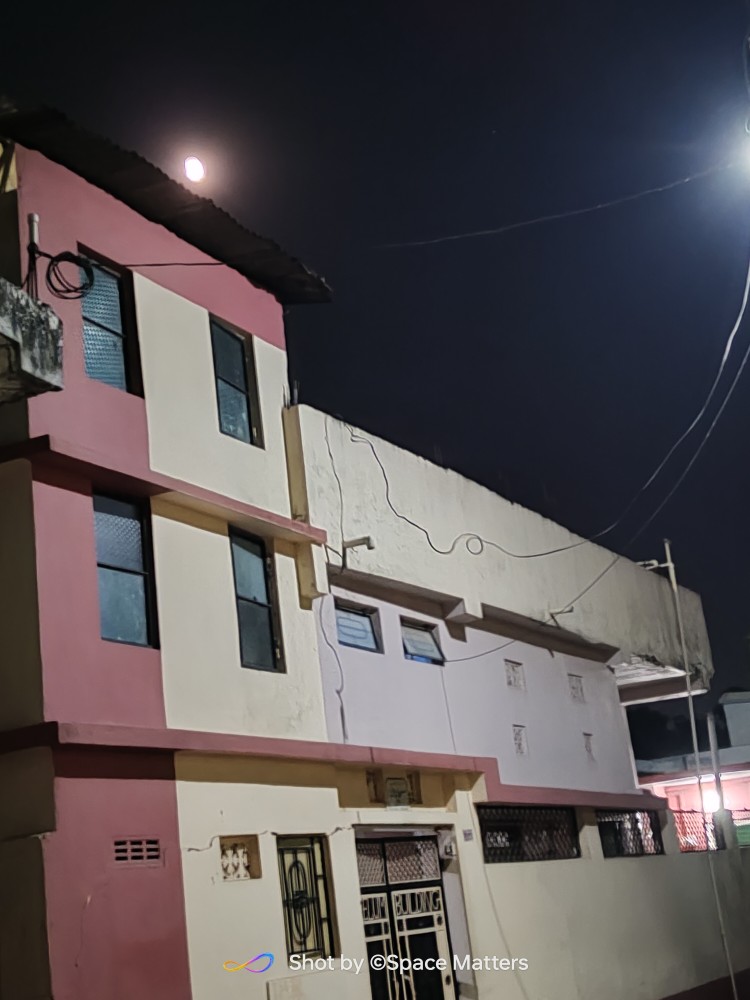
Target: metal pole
696, 755
714, 745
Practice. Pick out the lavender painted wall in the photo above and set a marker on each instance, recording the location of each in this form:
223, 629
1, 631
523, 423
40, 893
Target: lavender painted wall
468, 707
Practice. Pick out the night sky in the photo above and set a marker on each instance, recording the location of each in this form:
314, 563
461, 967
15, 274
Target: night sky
555, 364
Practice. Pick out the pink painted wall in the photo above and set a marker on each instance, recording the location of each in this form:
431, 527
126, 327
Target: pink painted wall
85, 678
115, 933
72, 211
736, 794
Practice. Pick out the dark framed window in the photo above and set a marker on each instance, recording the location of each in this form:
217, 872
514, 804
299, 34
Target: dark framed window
306, 896
260, 645
127, 596
236, 386
629, 834
528, 833
358, 627
421, 642
110, 344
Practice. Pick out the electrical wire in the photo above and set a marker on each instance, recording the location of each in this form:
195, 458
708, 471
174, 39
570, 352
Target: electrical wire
469, 537
339, 691
698, 450
555, 216
57, 282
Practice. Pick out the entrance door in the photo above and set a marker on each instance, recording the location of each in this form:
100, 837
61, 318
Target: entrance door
404, 916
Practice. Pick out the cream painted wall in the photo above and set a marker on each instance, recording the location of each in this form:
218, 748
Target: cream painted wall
628, 928
624, 928
24, 956
236, 920
205, 688
468, 708
630, 609
20, 657
183, 421
27, 793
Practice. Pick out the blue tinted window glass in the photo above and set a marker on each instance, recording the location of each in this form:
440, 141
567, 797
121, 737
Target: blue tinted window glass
256, 636
104, 355
122, 606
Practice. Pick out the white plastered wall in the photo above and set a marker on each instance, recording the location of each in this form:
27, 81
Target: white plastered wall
205, 687
467, 707
183, 423
629, 609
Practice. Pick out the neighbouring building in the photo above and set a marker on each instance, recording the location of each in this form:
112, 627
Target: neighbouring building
675, 779
274, 690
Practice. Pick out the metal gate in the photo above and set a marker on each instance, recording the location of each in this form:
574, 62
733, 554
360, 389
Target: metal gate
403, 910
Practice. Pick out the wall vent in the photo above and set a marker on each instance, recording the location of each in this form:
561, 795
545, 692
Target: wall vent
137, 851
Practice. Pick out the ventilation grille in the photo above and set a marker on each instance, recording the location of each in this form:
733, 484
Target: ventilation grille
135, 852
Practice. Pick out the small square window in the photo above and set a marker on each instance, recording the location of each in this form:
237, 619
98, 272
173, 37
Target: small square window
520, 741
588, 744
236, 387
514, 675
240, 858
575, 686
358, 627
420, 643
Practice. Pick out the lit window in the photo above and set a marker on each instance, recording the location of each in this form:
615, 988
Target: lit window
259, 644
575, 686
357, 627
236, 391
514, 675
110, 351
127, 604
520, 741
420, 643
306, 896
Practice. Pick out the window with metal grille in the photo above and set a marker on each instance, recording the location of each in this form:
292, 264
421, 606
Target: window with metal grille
420, 642
127, 599
514, 675
236, 387
696, 831
358, 627
306, 896
240, 858
110, 349
528, 833
629, 834
260, 647
135, 851
575, 686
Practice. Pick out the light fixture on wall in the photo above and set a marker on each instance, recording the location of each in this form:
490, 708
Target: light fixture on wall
365, 541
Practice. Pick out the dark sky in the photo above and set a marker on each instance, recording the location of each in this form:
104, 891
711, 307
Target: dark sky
555, 364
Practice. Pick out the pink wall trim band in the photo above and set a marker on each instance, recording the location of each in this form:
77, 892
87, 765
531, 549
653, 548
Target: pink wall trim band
191, 741
48, 452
